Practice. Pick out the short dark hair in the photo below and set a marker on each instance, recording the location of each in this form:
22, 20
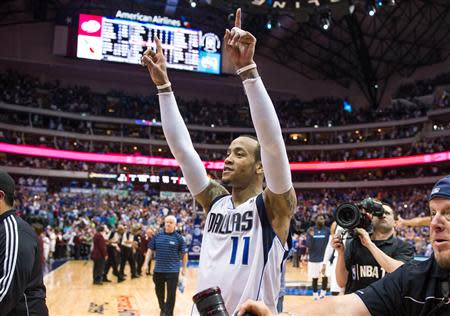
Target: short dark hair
257, 152
388, 203
7, 185
9, 199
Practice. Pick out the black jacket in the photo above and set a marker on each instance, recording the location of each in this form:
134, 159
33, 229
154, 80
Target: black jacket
362, 267
22, 290
414, 289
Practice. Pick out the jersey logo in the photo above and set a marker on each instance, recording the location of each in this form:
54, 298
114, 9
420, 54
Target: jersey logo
231, 222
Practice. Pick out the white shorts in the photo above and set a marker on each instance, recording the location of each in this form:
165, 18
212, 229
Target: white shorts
314, 270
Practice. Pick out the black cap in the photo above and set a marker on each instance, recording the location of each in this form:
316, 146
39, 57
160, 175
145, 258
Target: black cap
7, 183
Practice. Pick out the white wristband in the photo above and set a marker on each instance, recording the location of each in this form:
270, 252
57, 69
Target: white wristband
166, 85
245, 68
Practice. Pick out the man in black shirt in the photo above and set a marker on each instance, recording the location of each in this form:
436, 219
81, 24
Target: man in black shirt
368, 258
414, 289
22, 290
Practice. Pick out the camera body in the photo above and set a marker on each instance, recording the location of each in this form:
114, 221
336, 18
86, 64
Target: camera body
359, 215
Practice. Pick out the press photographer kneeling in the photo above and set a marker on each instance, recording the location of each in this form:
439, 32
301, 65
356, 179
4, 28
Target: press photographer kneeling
372, 250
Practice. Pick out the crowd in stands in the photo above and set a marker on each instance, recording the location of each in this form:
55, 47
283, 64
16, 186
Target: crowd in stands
26, 90
70, 218
424, 146
210, 137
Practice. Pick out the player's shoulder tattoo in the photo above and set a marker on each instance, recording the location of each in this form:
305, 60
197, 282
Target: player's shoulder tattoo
212, 191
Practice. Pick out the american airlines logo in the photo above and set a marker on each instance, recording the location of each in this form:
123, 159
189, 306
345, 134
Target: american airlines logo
90, 26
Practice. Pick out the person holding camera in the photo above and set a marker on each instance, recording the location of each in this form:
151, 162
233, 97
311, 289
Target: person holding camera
417, 288
367, 258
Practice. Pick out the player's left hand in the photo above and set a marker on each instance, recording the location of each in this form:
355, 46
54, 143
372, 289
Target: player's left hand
183, 271
239, 44
364, 237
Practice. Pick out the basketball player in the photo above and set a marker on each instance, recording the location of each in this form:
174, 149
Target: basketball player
246, 232
317, 240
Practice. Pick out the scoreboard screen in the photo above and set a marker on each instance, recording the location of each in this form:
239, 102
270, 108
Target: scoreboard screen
124, 41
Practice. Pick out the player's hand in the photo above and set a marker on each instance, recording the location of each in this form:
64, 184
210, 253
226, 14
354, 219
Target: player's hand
239, 44
400, 222
183, 271
156, 64
323, 270
337, 244
364, 237
257, 308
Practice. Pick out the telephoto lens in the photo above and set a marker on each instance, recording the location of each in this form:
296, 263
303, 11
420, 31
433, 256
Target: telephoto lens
210, 303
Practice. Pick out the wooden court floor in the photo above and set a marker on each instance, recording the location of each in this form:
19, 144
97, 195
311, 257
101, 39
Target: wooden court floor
70, 292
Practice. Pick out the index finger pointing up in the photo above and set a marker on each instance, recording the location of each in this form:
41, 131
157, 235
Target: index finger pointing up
158, 45
237, 19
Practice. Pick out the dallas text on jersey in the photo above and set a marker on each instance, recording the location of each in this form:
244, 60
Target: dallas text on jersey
233, 222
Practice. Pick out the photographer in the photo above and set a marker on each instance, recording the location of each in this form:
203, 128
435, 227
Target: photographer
367, 258
418, 288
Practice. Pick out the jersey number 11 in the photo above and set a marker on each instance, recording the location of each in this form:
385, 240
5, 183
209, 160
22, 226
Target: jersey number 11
235, 240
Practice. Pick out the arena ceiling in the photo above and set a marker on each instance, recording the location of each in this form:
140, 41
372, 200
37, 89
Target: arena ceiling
356, 48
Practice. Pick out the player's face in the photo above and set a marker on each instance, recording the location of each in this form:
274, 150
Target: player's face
240, 165
386, 222
320, 221
169, 225
440, 230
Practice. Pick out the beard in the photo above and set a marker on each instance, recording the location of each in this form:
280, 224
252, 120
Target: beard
442, 260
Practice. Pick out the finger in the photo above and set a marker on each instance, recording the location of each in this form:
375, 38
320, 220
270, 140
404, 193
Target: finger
147, 51
231, 35
226, 37
248, 38
158, 45
235, 39
237, 19
244, 308
148, 61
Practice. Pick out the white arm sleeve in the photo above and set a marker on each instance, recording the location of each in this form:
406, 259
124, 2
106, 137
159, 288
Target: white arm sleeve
180, 144
328, 251
273, 152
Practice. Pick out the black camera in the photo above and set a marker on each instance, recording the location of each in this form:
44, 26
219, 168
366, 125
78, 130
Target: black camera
350, 216
210, 303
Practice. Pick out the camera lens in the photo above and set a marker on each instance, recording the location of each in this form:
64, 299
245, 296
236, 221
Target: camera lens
348, 216
210, 302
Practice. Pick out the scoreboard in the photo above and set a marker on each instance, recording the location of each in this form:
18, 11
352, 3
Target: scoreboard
124, 41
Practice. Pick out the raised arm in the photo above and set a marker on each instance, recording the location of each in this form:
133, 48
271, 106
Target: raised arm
279, 195
176, 133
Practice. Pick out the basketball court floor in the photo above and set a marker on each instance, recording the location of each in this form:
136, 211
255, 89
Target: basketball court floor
70, 292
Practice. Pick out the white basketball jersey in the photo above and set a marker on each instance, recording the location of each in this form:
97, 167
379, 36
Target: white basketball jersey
241, 253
